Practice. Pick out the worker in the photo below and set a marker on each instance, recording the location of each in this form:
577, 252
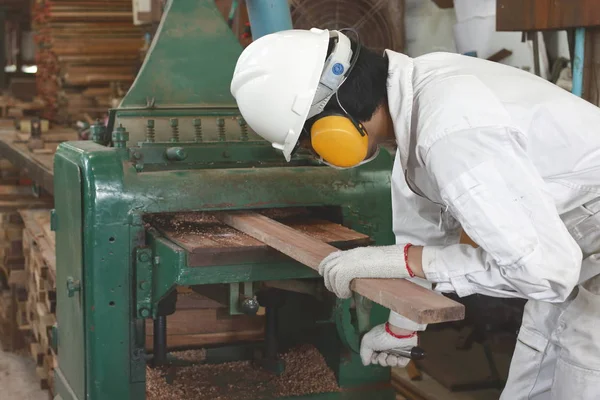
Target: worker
499, 152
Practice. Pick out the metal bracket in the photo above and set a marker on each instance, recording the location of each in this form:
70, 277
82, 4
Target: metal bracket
53, 220
236, 298
143, 279
73, 286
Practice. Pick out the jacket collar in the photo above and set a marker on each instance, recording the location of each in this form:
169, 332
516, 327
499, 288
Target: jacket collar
400, 100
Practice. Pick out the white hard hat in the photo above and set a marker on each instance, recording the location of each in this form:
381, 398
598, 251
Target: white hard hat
279, 82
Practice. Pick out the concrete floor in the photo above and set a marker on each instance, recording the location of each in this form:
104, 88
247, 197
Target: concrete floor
18, 380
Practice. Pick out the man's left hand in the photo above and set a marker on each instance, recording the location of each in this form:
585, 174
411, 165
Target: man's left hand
378, 345
341, 267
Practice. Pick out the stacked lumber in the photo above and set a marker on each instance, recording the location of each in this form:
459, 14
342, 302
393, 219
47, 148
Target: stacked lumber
40, 275
9, 175
14, 321
12, 283
81, 45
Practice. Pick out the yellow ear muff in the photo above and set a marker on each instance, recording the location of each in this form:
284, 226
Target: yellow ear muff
338, 141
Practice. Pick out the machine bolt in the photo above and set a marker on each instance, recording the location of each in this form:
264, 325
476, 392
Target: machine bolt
174, 130
137, 354
150, 133
98, 133
73, 286
144, 312
221, 129
176, 154
198, 130
243, 128
249, 306
144, 285
120, 137
144, 257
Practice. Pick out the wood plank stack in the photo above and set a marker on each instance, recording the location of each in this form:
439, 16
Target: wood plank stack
84, 44
14, 321
40, 270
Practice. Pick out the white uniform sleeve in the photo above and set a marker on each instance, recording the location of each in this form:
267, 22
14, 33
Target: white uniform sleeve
417, 221
487, 180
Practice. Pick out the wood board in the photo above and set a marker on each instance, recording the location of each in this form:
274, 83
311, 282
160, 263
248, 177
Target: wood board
406, 298
210, 242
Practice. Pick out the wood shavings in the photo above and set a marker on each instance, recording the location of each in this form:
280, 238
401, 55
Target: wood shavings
306, 373
190, 355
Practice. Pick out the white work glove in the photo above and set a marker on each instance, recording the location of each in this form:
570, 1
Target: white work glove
339, 268
376, 344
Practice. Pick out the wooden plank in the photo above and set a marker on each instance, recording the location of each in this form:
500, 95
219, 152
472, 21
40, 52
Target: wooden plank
538, 15
210, 242
194, 322
18, 278
39, 167
399, 295
24, 202
444, 4
10, 191
207, 339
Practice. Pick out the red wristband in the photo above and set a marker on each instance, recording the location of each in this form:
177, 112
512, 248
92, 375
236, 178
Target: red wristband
410, 272
389, 331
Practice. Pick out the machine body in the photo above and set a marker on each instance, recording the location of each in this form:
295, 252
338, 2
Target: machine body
177, 144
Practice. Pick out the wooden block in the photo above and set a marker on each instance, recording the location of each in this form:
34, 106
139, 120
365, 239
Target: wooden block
17, 278
413, 371
444, 4
406, 298
6, 191
43, 151
37, 353
25, 126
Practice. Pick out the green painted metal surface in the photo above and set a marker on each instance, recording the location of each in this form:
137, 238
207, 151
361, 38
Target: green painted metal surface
190, 61
69, 250
114, 196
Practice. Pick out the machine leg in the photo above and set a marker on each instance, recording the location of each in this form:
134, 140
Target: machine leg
271, 300
160, 341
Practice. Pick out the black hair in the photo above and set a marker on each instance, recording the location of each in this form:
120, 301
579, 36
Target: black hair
365, 89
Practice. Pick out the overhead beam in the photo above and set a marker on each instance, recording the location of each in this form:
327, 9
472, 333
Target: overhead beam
539, 15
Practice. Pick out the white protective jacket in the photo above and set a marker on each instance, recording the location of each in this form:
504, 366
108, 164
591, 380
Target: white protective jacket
501, 153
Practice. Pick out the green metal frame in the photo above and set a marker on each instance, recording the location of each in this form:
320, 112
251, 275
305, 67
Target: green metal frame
100, 199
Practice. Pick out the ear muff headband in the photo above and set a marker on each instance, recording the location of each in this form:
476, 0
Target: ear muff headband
339, 140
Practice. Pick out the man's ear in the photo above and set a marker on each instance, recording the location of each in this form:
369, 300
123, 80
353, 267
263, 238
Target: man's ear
304, 140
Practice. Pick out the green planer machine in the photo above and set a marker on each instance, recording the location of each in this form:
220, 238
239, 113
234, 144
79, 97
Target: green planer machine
177, 145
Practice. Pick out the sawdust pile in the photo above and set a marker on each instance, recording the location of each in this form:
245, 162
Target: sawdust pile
306, 373
190, 355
